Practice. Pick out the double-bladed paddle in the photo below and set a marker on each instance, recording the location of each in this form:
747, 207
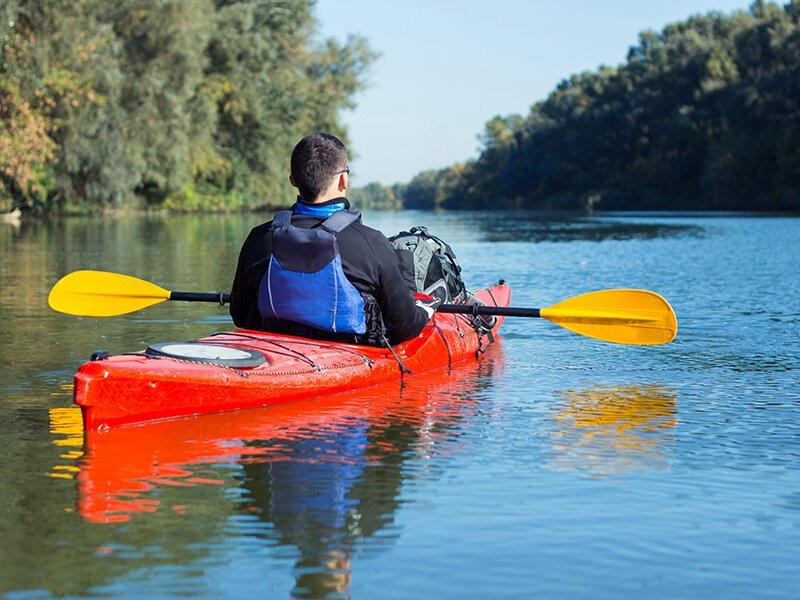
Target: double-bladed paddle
619, 316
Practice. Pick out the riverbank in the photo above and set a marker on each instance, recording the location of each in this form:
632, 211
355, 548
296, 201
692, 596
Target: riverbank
16, 217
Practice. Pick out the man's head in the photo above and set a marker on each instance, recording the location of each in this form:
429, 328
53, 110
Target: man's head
319, 167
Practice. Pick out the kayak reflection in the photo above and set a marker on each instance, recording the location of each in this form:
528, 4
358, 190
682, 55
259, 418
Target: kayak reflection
613, 429
322, 474
326, 492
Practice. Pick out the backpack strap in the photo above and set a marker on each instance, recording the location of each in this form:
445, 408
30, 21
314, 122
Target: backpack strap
339, 220
282, 219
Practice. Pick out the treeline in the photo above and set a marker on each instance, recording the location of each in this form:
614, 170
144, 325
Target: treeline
182, 104
702, 116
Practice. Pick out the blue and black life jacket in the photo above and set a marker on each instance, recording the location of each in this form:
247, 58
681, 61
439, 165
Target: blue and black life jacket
304, 282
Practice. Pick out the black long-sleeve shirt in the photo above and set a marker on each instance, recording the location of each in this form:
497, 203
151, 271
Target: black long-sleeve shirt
369, 262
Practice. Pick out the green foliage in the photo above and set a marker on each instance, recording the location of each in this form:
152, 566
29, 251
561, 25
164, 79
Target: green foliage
180, 104
374, 196
426, 191
704, 115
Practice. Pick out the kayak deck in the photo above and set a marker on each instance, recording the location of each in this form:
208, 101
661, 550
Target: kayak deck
133, 388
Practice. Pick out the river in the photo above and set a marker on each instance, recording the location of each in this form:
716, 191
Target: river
557, 466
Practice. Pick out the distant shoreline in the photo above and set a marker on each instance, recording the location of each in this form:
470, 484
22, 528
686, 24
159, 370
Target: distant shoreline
16, 217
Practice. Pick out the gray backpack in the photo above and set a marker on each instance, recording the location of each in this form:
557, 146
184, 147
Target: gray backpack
430, 263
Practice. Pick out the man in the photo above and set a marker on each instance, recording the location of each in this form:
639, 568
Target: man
316, 271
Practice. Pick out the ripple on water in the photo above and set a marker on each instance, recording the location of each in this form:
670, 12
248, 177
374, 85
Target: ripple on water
544, 468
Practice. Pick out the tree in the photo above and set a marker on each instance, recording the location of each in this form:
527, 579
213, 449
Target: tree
702, 115
184, 104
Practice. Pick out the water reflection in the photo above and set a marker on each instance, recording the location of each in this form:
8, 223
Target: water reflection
318, 476
67, 427
615, 429
727, 476
565, 228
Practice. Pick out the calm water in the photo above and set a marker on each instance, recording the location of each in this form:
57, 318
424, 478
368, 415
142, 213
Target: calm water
557, 466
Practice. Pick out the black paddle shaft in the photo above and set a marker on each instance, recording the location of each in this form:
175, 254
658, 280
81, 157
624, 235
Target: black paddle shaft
219, 297
462, 309
479, 309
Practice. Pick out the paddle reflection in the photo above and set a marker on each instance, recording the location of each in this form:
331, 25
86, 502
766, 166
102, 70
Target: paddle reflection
614, 429
319, 475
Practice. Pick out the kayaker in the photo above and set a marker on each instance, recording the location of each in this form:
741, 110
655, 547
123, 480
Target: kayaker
317, 271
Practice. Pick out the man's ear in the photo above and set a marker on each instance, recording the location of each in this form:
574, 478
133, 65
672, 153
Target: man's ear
343, 182
291, 180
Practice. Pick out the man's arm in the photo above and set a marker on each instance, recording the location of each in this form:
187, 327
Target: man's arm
402, 316
240, 296
244, 290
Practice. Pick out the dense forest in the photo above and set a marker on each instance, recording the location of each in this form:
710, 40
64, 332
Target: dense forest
181, 104
195, 105
702, 116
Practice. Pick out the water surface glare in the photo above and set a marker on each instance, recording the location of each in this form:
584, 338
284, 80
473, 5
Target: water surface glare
555, 466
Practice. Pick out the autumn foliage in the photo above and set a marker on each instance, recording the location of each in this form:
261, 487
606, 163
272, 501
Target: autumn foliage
180, 104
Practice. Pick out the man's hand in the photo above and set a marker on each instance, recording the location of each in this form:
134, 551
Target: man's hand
429, 304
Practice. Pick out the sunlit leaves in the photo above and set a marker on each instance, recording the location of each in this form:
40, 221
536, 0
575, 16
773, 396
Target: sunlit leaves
188, 104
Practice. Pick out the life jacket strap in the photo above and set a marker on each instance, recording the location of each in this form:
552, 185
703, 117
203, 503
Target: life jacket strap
282, 219
333, 224
339, 220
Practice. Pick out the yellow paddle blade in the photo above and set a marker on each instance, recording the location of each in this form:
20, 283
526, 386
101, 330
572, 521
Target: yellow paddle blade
619, 316
103, 294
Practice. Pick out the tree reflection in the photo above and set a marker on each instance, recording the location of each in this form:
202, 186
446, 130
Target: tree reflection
565, 227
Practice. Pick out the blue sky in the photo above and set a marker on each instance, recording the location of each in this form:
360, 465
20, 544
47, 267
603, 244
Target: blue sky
448, 66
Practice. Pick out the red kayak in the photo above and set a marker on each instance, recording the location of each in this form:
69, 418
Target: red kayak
164, 455
246, 369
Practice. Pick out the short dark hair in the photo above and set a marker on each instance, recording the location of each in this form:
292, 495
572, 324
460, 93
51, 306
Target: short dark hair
316, 159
